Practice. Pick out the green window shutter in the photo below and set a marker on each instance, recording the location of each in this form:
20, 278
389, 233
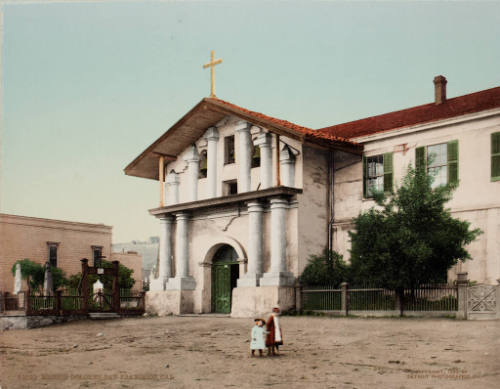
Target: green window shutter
495, 156
420, 158
364, 176
388, 172
453, 162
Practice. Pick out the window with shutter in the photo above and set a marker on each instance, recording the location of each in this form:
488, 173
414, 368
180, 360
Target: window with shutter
377, 174
420, 158
441, 161
453, 162
388, 173
495, 156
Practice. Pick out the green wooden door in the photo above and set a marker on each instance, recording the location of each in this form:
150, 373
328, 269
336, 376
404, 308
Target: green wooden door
225, 272
222, 288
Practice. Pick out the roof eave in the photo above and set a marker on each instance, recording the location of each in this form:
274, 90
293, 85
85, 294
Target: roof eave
166, 134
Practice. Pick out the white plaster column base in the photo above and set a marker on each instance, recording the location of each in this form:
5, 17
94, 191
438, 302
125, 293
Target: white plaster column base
259, 301
249, 280
181, 283
169, 302
157, 284
163, 303
277, 279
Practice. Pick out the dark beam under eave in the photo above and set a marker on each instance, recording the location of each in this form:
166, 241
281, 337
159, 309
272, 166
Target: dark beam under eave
226, 200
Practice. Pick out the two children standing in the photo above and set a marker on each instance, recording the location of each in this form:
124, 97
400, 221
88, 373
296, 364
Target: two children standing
270, 336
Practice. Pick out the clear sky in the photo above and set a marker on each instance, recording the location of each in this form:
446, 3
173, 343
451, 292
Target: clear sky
88, 86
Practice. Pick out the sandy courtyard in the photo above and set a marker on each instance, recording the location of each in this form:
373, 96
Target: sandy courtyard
213, 352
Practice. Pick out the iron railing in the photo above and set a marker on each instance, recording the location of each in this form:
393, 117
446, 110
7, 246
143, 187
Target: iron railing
425, 298
322, 298
372, 299
431, 298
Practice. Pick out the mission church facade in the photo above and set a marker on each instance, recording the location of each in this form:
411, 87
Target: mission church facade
245, 198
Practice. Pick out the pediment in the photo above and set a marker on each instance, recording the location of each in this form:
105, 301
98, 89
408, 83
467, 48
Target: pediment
211, 112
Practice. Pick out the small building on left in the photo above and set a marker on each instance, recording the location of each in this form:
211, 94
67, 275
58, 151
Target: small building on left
61, 243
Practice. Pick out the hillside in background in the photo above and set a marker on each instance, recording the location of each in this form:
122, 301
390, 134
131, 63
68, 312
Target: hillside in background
147, 249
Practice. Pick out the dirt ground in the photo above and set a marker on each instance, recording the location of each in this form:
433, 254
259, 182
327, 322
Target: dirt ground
213, 352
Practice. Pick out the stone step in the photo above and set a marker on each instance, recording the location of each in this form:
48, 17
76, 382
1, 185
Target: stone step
216, 315
103, 315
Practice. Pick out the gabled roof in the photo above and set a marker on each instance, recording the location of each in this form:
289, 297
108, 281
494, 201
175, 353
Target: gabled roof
474, 102
207, 113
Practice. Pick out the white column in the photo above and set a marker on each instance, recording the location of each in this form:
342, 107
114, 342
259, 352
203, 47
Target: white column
165, 250
172, 188
278, 274
182, 280
244, 156
193, 161
266, 160
287, 162
212, 137
254, 266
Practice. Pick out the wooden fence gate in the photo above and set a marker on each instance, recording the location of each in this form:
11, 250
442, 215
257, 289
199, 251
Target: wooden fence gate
100, 301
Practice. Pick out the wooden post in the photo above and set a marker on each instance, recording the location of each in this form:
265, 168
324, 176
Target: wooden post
161, 178
26, 300
462, 283
58, 301
298, 297
278, 173
85, 285
28, 297
142, 304
344, 286
116, 287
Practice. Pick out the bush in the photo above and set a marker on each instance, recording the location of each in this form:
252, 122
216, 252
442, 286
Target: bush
329, 268
36, 273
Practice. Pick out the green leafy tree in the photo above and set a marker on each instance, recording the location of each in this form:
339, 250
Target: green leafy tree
325, 269
410, 238
36, 274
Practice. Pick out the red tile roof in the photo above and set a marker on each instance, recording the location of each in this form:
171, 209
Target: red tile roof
474, 102
284, 123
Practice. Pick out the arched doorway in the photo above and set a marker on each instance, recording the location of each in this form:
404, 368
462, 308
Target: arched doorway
225, 273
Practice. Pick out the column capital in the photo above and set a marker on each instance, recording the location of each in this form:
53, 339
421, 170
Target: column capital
255, 130
212, 134
242, 126
263, 140
182, 216
286, 155
278, 202
192, 155
166, 219
255, 206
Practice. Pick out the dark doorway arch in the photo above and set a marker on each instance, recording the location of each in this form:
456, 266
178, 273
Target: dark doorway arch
225, 273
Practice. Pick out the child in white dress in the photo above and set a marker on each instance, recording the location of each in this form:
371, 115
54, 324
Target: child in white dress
258, 341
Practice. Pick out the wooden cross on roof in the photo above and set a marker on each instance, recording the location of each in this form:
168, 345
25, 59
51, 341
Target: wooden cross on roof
211, 65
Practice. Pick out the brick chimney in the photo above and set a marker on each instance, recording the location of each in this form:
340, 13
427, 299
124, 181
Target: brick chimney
440, 89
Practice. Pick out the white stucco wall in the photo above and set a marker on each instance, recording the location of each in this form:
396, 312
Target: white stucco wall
313, 206
477, 198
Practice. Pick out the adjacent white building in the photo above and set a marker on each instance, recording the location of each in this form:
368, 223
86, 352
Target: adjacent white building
245, 199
